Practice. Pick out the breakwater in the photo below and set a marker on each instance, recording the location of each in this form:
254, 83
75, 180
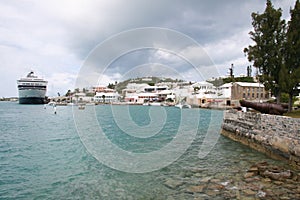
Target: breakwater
276, 136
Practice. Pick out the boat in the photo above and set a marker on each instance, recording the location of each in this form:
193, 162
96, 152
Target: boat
155, 104
152, 104
81, 106
51, 103
182, 106
32, 89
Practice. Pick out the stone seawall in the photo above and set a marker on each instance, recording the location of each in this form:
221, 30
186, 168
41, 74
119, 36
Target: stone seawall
276, 136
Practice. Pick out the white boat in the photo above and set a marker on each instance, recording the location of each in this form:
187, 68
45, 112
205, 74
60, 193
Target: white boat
152, 104
155, 104
32, 89
81, 106
182, 106
51, 103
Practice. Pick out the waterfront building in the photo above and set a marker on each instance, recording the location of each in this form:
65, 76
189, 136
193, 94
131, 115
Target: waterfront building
134, 88
202, 94
81, 97
142, 93
108, 96
224, 91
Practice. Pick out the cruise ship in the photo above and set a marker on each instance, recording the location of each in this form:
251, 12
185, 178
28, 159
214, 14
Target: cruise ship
32, 89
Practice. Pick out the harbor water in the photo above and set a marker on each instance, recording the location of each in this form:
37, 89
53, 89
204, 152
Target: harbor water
42, 156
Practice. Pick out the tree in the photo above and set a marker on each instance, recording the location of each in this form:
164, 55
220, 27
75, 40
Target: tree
68, 93
290, 73
267, 53
111, 86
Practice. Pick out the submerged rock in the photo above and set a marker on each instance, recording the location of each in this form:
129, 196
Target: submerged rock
195, 188
205, 179
249, 192
216, 186
277, 175
173, 184
250, 174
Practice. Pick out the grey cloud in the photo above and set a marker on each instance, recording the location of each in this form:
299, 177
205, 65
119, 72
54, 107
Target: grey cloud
57, 36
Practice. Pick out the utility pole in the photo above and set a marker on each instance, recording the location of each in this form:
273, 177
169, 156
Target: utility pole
231, 71
232, 82
249, 71
259, 92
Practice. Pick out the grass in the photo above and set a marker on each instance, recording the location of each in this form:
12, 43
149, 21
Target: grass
294, 114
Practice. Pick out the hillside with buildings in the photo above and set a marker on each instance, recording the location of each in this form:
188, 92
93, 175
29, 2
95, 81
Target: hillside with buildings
167, 91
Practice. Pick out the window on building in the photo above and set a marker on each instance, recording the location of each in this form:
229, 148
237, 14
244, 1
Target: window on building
228, 102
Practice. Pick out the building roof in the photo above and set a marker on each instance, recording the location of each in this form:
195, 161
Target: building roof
202, 83
107, 94
147, 94
246, 84
226, 85
165, 92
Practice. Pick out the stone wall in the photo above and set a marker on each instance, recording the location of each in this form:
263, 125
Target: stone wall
276, 136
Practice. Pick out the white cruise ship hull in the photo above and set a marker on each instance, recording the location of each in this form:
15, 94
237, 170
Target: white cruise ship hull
32, 96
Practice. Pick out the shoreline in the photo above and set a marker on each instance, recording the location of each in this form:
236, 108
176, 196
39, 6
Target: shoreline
273, 135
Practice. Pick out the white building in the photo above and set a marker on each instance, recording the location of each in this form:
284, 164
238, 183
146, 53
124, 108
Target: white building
142, 93
141, 98
107, 97
225, 90
132, 88
203, 93
81, 97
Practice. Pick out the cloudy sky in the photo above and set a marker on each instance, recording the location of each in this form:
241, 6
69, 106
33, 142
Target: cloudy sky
55, 38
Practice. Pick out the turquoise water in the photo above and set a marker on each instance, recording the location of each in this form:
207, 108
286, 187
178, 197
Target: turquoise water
42, 156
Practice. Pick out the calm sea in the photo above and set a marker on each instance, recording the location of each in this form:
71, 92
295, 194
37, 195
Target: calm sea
42, 155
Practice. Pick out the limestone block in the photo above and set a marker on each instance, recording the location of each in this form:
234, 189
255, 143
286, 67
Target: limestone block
280, 143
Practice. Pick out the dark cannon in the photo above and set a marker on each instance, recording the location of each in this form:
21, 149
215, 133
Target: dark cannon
267, 108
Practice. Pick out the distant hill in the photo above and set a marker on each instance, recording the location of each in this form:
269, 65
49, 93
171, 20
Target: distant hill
148, 80
220, 81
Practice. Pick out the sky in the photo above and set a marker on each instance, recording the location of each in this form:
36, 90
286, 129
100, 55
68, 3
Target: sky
59, 38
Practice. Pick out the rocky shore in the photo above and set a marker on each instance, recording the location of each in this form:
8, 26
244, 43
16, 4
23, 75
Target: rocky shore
260, 181
275, 136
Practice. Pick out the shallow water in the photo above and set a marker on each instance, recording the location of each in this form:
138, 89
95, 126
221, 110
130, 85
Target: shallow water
42, 156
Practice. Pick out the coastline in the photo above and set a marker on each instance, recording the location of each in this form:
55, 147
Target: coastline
273, 135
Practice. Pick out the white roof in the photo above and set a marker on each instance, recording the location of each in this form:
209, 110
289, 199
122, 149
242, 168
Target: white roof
151, 87
226, 85
107, 94
147, 94
202, 83
246, 84
165, 92
80, 94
